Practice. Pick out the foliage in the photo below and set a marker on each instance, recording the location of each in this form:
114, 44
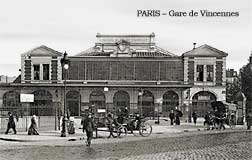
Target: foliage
232, 90
246, 81
246, 84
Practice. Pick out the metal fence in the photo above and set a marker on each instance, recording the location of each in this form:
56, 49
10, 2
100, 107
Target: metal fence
48, 117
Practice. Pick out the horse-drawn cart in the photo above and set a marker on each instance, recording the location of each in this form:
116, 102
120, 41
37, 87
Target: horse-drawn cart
222, 113
134, 124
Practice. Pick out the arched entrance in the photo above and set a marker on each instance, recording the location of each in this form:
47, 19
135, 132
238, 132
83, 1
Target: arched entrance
170, 102
201, 102
11, 103
11, 99
121, 100
42, 104
97, 100
73, 103
146, 104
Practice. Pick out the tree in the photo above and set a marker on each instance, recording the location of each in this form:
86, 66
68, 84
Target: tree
232, 90
246, 84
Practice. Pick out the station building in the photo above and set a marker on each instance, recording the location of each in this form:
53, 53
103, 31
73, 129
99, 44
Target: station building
119, 71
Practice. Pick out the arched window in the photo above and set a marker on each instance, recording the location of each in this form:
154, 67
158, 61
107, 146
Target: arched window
121, 100
170, 102
146, 103
73, 103
97, 100
201, 102
11, 99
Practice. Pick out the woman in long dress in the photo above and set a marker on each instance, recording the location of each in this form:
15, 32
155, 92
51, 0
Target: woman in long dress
33, 127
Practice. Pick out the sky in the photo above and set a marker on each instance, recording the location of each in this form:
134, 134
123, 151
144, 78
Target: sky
71, 26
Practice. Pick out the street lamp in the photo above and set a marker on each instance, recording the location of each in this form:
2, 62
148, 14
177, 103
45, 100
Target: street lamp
140, 93
65, 64
106, 89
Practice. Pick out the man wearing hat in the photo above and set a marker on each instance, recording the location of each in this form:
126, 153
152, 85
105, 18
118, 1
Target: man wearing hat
11, 124
89, 127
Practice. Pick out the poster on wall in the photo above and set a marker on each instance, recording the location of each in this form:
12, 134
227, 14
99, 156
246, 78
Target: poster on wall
26, 97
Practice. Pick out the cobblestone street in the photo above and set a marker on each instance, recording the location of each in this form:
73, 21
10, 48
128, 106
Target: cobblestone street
219, 145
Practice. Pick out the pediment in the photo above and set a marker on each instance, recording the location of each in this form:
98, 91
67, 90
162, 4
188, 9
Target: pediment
43, 51
205, 51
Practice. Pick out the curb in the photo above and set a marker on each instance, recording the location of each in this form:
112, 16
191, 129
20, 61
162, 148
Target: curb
78, 137
16, 140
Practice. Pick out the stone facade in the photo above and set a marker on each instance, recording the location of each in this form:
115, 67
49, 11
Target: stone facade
122, 71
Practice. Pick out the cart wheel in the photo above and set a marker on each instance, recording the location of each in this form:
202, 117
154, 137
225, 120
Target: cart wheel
122, 132
145, 129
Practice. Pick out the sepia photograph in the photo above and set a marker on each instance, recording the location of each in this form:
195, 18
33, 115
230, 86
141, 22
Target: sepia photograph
126, 80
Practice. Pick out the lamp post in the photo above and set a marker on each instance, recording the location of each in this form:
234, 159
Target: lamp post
65, 65
106, 89
140, 93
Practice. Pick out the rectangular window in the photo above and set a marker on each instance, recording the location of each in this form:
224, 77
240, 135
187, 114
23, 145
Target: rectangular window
200, 73
210, 73
45, 71
36, 70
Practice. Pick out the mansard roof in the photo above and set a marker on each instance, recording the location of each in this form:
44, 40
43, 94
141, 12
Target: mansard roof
120, 45
87, 52
159, 52
42, 51
205, 51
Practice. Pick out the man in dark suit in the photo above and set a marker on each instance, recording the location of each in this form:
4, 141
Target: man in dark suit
172, 116
89, 127
11, 124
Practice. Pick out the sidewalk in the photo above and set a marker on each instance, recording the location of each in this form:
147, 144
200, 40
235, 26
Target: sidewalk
163, 129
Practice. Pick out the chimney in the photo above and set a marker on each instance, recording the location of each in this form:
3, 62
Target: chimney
194, 45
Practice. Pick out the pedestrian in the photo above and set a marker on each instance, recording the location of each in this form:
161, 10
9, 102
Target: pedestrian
194, 115
120, 117
172, 116
89, 127
16, 115
33, 127
177, 119
111, 124
137, 121
71, 127
207, 121
68, 114
11, 124
125, 113
249, 120
220, 120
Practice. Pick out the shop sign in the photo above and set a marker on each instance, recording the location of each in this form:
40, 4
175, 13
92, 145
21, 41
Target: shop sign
26, 97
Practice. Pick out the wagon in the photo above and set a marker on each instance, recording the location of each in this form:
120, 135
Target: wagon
133, 125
